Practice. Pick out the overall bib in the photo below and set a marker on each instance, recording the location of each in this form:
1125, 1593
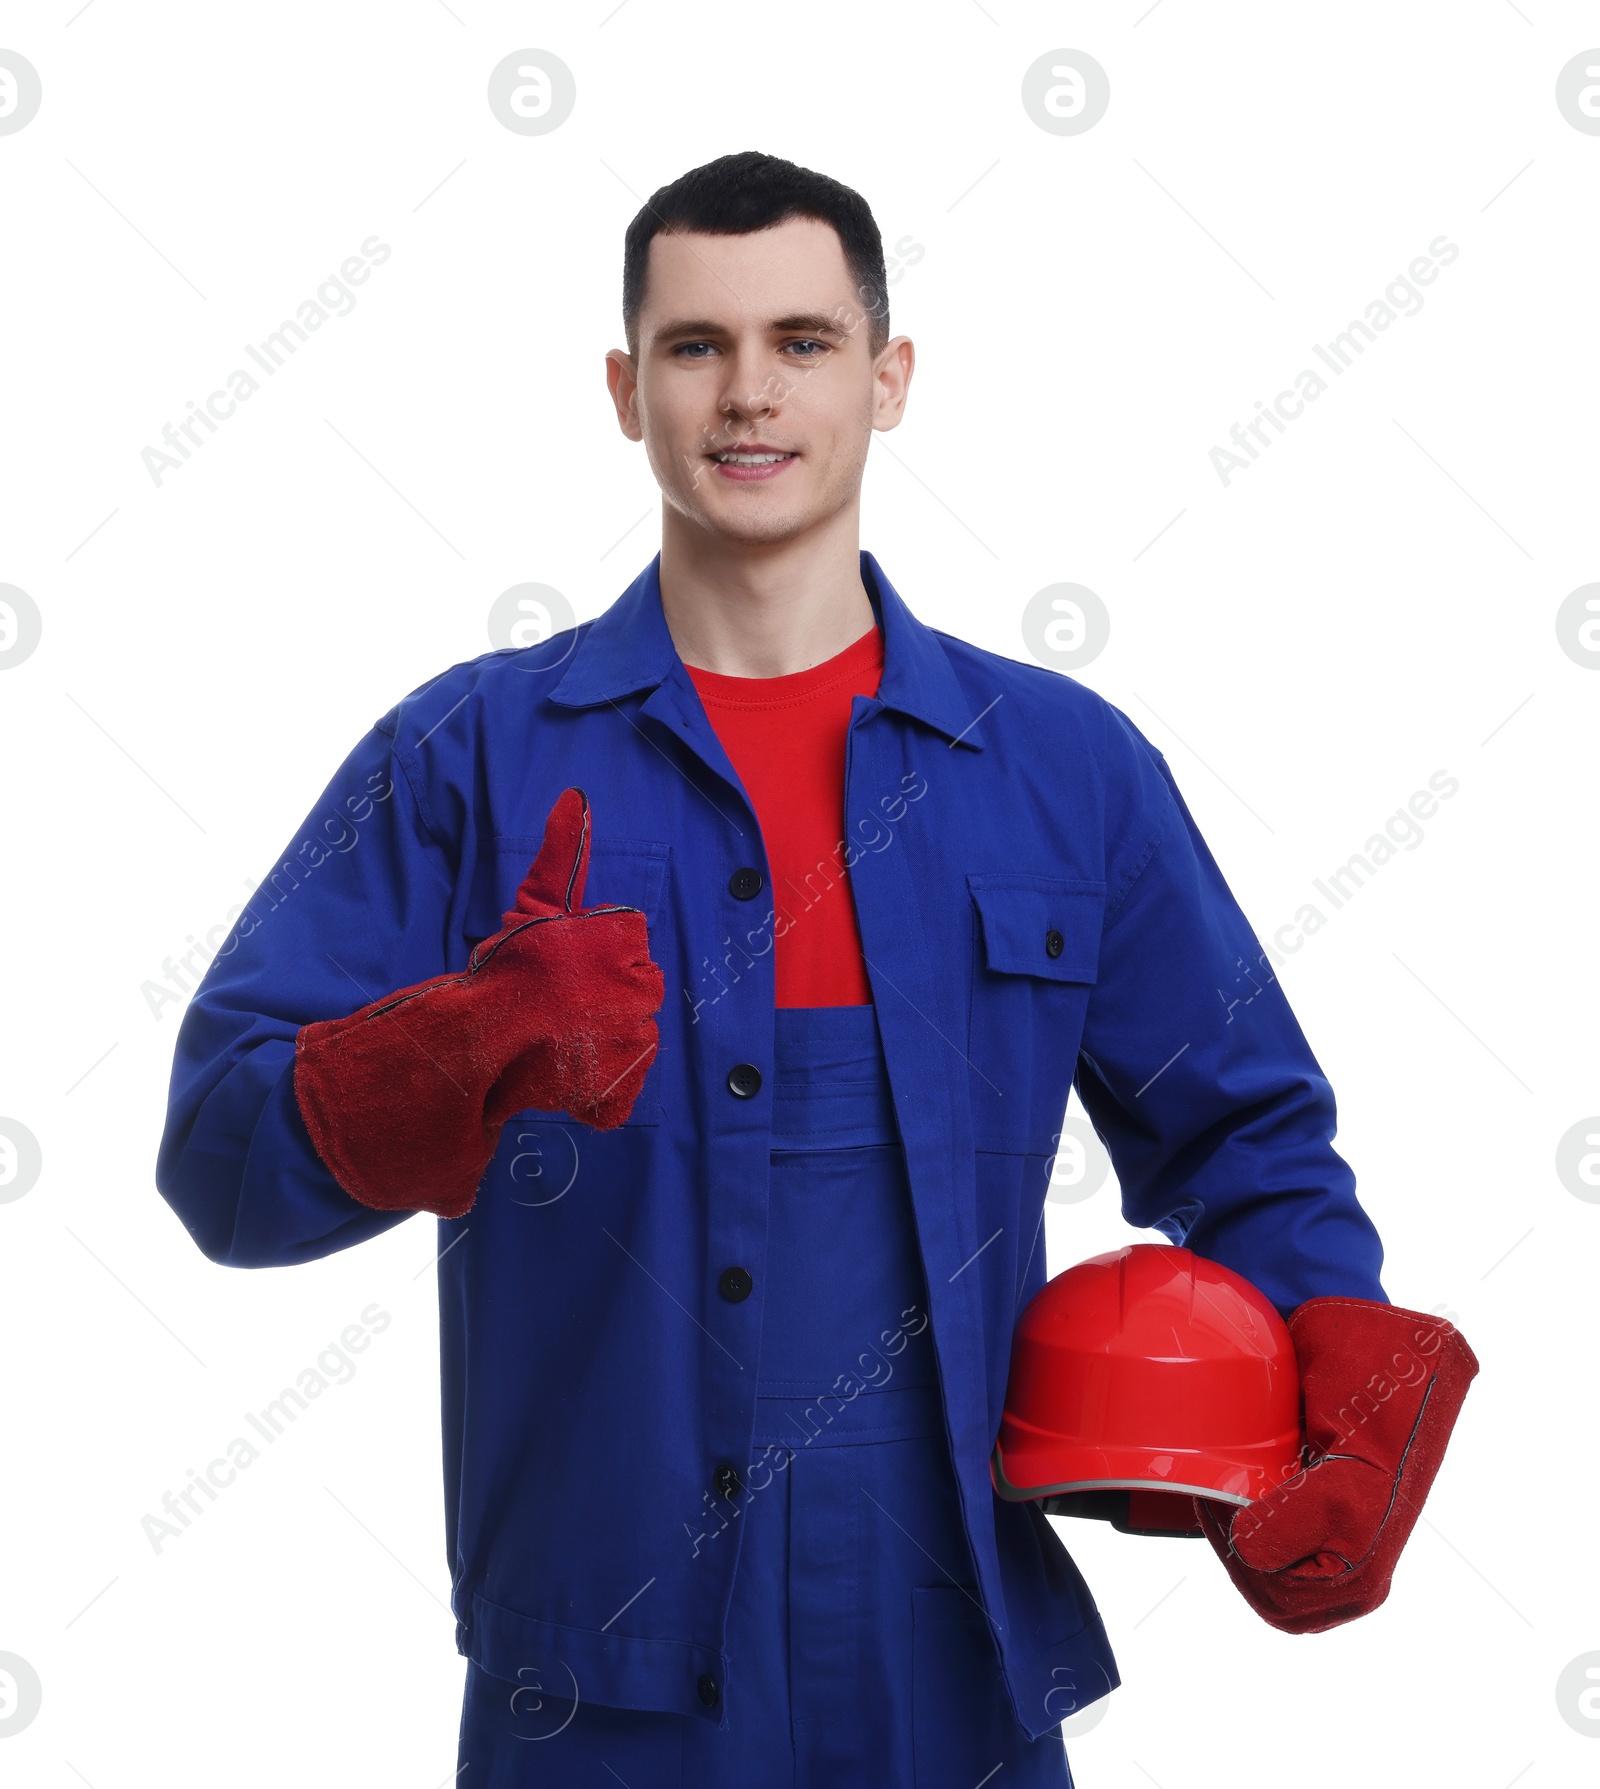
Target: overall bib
859, 1652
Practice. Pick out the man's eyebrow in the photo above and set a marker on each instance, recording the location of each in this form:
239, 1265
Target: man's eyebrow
811, 322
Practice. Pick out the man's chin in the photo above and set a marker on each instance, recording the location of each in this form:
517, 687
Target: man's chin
768, 528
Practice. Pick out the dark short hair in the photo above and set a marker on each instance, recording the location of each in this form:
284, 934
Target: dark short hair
739, 194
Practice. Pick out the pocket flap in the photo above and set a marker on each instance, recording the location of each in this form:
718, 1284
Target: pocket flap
622, 872
1040, 925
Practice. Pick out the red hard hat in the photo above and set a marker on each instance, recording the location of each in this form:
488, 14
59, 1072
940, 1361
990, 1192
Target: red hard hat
1151, 1368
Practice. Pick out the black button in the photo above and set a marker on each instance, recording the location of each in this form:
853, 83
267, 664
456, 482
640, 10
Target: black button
745, 885
735, 1284
727, 1481
744, 1080
706, 1685
1054, 943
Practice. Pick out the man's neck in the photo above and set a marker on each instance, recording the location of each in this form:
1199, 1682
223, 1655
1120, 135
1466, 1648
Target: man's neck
764, 610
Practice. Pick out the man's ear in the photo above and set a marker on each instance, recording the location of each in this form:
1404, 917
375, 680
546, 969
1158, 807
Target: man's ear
622, 379
891, 373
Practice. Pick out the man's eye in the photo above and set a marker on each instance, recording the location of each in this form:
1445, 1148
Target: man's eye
810, 350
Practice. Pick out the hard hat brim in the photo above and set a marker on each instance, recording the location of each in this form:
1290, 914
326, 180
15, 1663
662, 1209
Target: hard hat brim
1013, 1493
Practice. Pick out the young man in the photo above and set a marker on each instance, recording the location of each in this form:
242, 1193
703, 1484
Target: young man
728, 1284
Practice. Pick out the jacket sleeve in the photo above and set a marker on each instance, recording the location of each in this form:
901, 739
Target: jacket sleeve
357, 906
1193, 1068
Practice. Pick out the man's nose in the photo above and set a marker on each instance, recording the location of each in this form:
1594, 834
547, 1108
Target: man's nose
740, 405
751, 390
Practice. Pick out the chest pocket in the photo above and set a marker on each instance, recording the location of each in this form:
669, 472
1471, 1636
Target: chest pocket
1035, 959
626, 873
623, 873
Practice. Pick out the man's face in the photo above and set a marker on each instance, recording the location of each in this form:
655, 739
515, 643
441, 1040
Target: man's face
749, 347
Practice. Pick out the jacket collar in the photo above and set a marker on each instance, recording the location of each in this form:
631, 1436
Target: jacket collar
628, 648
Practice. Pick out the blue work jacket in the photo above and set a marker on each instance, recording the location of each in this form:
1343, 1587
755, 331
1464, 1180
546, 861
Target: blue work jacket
1036, 905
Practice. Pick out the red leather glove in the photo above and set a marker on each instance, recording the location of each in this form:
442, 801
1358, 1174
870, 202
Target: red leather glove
405, 1099
1382, 1387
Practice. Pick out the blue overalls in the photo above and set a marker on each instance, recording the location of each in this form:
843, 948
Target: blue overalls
859, 1649
1038, 909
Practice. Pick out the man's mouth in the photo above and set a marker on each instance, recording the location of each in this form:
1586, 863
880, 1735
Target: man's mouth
749, 465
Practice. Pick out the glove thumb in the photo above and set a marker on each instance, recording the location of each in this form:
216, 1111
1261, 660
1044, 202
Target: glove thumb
555, 882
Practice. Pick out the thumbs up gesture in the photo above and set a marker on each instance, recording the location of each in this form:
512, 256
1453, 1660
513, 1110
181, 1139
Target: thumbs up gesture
404, 1100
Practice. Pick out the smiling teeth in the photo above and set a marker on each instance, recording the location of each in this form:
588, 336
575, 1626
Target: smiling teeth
752, 459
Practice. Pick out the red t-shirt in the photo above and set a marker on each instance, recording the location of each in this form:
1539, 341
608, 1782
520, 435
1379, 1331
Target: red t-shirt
785, 736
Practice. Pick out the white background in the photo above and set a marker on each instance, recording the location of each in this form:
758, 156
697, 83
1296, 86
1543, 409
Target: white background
1368, 604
